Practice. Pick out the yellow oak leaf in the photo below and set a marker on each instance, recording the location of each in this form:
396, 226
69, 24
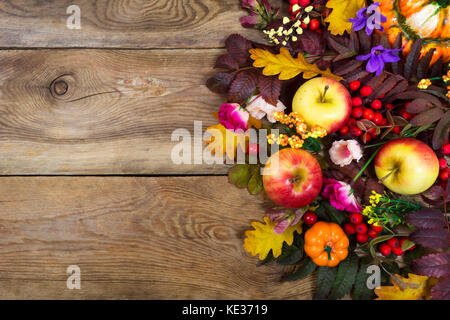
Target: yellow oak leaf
342, 11
262, 239
414, 287
286, 66
223, 141
254, 123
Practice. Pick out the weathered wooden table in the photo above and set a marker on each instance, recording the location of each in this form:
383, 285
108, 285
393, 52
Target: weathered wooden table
86, 117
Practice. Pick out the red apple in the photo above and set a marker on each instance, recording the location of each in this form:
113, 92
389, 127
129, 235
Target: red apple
407, 166
292, 178
324, 102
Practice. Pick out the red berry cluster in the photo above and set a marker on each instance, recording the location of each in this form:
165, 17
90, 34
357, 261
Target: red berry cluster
372, 113
313, 24
443, 165
361, 229
393, 245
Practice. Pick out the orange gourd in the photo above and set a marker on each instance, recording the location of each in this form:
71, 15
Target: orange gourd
326, 244
425, 19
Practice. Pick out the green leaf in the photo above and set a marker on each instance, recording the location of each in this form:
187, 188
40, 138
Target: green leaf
325, 279
290, 255
405, 129
335, 215
321, 213
412, 255
312, 144
345, 277
361, 292
385, 133
255, 184
267, 260
304, 270
419, 130
239, 175
298, 240
407, 244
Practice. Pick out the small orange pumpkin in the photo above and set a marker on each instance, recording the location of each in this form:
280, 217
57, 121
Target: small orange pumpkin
326, 244
425, 19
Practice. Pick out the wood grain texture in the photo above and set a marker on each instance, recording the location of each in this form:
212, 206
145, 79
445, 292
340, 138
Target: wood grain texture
133, 238
121, 23
102, 111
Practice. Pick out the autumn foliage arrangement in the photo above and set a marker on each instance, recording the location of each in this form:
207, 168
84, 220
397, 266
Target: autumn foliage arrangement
355, 96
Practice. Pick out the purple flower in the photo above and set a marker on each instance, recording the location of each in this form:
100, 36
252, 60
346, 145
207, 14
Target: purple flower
378, 56
260, 14
285, 218
250, 21
233, 117
340, 195
368, 17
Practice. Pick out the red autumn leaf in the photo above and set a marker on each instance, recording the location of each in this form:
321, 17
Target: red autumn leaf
220, 82
418, 105
312, 42
427, 219
243, 87
270, 88
427, 117
440, 135
237, 46
441, 291
447, 189
433, 265
225, 61
431, 238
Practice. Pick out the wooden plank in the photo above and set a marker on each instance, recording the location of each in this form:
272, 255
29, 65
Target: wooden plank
121, 23
102, 111
133, 237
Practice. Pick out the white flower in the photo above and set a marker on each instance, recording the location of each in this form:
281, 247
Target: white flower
258, 108
342, 152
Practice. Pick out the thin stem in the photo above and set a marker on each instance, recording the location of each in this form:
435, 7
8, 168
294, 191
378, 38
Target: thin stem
243, 69
322, 99
387, 176
366, 165
328, 250
376, 144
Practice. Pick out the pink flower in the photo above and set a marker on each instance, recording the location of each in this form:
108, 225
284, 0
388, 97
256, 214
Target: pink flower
343, 152
284, 218
233, 117
340, 195
258, 108
249, 4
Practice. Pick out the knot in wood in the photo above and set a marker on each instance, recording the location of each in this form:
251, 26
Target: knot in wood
60, 87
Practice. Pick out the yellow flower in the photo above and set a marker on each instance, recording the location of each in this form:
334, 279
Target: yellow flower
424, 84
367, 210
342, 11
263, 239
